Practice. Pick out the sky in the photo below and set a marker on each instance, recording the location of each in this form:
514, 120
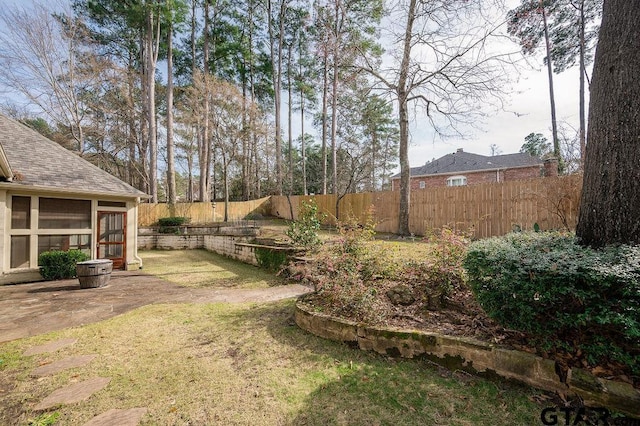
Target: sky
527, 110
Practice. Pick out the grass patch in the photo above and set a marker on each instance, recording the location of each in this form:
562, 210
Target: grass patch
204, 269
250, 364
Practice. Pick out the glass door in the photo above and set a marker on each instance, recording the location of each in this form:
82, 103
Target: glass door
112, 237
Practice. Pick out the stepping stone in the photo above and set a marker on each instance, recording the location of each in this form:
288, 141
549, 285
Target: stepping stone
74, 393
50, 347
112, 417
63, 364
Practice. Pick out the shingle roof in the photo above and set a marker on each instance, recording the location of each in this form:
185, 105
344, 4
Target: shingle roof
40, 162
460, 161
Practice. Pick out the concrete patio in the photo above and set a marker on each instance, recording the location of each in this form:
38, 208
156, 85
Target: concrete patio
36, 308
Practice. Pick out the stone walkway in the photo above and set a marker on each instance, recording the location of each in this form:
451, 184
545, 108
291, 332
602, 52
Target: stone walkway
31, 309
80, 391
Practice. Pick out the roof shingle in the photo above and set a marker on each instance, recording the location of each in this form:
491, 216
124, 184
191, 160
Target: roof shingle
461, 161
41, 162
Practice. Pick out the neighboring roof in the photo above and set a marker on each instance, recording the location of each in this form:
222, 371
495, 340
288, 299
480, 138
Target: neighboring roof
36, 161
460, 161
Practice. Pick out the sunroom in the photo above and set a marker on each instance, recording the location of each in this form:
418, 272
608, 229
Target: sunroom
51, 199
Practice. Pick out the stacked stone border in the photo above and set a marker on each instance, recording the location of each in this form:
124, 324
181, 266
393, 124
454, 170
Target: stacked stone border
475, 357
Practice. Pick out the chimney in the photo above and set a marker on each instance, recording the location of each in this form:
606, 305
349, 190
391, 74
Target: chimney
551, 167
460, 150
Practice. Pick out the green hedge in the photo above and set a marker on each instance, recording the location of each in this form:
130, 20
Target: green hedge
564, 296
168, 224
60, 265
270, 259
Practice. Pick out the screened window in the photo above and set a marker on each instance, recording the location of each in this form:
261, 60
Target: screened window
422, 184
64, 243
20, 249
59, 213
457, 181
20, 212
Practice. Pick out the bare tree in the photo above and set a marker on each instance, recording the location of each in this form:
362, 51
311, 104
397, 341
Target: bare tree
39, 60
441, 61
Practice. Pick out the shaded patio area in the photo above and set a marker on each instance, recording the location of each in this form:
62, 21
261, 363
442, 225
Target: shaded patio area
36, 308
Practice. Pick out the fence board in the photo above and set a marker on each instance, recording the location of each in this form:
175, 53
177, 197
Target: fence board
203, 213
485, 210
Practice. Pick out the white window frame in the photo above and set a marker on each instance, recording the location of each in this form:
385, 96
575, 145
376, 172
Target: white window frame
422, 184
458, 180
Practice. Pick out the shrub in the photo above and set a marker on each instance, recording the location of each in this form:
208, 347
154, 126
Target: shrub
564, 296
304, 231
60, 265
354, 234
344, 272
167, 224
270, 259
442, 271
173, 221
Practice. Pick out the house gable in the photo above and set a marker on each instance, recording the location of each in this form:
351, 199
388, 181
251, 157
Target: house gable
474, 167
42, 163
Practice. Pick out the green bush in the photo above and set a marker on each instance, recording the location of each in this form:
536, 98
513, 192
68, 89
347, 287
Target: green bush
173, 221
564, 296
270, 259
60, 265
304, 231
168, 224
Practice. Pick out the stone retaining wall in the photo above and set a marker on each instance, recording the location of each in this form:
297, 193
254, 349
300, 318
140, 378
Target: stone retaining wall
232, 246
475, 357
170, 242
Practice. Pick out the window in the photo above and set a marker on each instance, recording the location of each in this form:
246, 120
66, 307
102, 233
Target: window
58, 213
20, 212
422, 184
20, 250
112, 204
64, 243
457, 181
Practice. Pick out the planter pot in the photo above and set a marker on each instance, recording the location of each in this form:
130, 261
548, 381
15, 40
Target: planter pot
94, 273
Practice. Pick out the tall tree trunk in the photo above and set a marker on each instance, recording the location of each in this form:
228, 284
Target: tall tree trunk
290, 123
276, 50
552, 99
334, 101
403, 118
205, 147
374, 147
197, 132
610, 203
303, 150
583, 71
245, 137
151, 58
252, 118
325, 95
171, 167
132, 140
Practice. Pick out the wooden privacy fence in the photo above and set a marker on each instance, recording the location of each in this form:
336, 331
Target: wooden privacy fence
203, 213
485, 210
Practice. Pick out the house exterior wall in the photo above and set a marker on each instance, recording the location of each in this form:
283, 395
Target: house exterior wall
10, 275
473, 178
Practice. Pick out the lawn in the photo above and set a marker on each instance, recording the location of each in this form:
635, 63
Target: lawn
202, 268
245, 364
250, 365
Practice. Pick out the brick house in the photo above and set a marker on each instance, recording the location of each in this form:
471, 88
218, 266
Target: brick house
52, 199
464, 168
